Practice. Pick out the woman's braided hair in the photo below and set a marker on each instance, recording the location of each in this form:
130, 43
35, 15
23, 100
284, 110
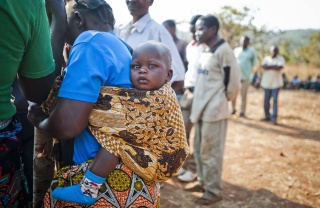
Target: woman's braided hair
98, 8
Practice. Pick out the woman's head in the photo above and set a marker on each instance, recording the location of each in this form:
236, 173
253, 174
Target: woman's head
86, 15
150, 66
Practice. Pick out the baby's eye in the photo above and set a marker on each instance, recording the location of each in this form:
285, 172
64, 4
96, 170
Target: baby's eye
135, 67
151, 66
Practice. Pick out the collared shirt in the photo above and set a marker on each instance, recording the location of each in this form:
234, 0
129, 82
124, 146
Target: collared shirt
147, 29
193, 52
246, 59
272, 79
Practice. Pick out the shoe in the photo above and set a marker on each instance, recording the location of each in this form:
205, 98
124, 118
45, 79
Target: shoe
242, 115
208, 199
265, 119
233, 112
188, 176
274, 122
181, 171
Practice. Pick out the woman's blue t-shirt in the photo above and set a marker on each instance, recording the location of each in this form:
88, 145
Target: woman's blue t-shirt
96, 59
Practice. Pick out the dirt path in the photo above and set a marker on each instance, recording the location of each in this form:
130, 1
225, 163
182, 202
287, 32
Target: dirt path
267, 165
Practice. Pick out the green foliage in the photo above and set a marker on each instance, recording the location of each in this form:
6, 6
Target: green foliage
310, 53
297, 46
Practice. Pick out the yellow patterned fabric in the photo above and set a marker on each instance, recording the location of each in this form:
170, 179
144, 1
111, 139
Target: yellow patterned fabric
144, 128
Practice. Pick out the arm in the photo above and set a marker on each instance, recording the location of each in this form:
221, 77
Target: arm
271, 67
68, 119
177, 86
275, 63
232, 75
178, 68
58, 28
36, 90
31, 86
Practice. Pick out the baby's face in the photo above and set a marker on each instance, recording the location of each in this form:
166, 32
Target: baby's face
149, 69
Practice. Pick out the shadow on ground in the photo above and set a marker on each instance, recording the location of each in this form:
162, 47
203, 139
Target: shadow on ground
173, 195
281, 129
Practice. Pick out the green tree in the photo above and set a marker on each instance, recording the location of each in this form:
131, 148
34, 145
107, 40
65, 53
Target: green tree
310, 53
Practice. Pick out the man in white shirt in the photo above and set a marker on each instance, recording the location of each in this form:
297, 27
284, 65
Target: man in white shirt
272, 82
193, 52
143, 28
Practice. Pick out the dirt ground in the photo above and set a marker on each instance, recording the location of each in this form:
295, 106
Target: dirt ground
266, 165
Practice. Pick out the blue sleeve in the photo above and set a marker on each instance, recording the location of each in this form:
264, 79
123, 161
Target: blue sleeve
86, 72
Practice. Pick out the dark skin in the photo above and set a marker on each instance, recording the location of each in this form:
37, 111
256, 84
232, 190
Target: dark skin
137, 9
70, 117
159, 63
29, 86
274, 53
207, 35
244, 42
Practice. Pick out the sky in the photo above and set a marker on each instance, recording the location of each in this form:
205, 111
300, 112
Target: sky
274, 14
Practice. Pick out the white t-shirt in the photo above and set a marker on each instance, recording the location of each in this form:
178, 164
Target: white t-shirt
193, 53
272, 79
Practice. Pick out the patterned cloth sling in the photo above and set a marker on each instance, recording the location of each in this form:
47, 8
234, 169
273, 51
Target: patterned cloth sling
144, 128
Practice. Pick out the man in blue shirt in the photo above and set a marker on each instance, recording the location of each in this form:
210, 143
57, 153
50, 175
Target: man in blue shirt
246, 59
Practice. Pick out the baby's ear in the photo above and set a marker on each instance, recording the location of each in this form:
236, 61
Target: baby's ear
170, 72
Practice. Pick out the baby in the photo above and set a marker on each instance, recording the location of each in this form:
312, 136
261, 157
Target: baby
142, 126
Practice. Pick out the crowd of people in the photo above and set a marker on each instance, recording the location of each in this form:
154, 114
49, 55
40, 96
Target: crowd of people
127, 97
296, 83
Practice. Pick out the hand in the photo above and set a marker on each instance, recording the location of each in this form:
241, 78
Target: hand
35, 114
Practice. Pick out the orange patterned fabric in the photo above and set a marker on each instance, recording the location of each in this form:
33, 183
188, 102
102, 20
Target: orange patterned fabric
122, 188
144, 128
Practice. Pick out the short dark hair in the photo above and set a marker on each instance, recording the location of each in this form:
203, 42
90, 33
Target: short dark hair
210, 21
195, 18
98, 8
246, 38
170, 23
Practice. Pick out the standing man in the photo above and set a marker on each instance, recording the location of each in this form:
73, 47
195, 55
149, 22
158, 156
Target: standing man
193, 52
25, 49
272, 82
170, 25
246, 59
218, 81
142, 28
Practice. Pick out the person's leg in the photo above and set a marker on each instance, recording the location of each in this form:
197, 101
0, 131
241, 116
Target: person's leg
86, 192
10, 165
233, 104
275, 93
186, 112
187, 172
267, 96
197, 153
27, 138
212, 148
244, 91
